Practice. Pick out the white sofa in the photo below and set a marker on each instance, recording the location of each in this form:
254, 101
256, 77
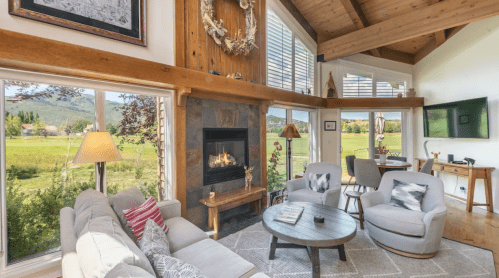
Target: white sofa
187, 243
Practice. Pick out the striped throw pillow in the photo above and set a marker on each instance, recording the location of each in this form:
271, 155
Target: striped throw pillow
137, 217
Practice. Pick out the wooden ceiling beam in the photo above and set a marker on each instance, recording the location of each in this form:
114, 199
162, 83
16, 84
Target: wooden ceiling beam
439, 35
437, 17
359, 19
29, 53
300, 18
432, 44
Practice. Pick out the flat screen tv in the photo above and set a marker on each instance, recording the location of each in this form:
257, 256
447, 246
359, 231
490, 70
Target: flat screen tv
461, 119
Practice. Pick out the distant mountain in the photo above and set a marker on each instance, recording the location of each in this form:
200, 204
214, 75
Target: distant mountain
55, 112
274, 121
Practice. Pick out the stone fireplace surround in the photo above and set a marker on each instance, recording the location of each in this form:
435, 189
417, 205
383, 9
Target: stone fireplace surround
208, 113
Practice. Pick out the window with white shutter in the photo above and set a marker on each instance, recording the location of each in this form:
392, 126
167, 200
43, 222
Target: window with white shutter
279, 53
357, 85
290, 64
390, 89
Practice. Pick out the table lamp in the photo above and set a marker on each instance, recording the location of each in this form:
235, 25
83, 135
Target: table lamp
289, 133
97, 147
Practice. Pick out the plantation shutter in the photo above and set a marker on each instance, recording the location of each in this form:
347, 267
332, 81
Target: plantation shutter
390, 89
304, 68
279, 53
357, 85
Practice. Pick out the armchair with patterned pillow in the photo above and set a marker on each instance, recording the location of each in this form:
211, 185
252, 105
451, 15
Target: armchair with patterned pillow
320, 184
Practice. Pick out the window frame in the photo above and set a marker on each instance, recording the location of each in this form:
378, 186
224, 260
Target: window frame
379, 75
52, 260
298, 33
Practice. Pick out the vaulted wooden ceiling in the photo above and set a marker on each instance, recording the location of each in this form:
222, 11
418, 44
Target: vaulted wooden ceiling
327, 20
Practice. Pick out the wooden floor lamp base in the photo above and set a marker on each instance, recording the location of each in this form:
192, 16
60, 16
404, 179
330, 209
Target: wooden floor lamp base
405, 254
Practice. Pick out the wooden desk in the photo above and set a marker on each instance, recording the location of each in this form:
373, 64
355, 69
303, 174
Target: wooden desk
231, 199
472, 173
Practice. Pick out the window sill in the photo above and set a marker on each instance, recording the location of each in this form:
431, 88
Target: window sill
31, 267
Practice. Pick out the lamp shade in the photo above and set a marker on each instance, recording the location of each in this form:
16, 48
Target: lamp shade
97, 146
290, 132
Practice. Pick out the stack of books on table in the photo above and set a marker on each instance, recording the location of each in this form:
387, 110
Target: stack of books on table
289, 214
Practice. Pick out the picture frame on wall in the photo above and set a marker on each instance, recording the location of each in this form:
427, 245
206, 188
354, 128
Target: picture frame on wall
120, 20
329, 125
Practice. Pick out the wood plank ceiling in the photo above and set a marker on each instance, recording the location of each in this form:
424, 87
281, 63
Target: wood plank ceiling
334, 18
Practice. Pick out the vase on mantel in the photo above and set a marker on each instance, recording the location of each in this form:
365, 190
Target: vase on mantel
382, 158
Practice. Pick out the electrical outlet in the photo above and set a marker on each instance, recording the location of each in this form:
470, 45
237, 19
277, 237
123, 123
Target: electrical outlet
463, 189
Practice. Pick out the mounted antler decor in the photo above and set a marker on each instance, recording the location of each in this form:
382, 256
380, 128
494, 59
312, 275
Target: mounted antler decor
238, 45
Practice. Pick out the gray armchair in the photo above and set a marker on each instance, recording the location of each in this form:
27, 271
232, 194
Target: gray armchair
406, 232
299, 191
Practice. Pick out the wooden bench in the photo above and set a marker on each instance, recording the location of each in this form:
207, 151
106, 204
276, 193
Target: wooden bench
231, 199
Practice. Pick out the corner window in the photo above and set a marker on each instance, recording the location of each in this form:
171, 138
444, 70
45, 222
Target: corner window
290, 64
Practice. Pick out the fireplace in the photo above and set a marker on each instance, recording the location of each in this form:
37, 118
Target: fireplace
225, 153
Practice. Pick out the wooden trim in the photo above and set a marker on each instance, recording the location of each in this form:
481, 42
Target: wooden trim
264, 108
405, 254
376, 102
208, 95
180, 188
16, 8
180, 33
394, 55
182, 95
410, 25
24, 52
433, 44
300, 18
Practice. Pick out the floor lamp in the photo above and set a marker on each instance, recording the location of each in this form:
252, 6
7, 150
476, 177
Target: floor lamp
289, 133
98, 147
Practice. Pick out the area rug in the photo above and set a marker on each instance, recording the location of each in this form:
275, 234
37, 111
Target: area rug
364, 258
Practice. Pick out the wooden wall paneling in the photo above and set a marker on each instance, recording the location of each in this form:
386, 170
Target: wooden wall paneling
417, 23
228, 26
262, 43
204, 51
180, 31
192, 29
218, 61
180, 190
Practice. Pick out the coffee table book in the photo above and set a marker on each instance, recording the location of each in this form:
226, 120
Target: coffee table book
289, 214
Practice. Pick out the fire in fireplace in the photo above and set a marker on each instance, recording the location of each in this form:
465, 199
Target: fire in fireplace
225, 153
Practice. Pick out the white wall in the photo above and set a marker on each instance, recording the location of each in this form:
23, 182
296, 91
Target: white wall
160, 33
466, 66
330, 140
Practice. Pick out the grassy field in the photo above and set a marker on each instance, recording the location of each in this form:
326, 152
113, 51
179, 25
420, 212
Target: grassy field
44, 153
350, 142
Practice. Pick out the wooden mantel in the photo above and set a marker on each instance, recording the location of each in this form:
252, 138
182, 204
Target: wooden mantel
30, 53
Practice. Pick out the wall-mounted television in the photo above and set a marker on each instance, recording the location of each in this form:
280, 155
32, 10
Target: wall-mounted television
460, 119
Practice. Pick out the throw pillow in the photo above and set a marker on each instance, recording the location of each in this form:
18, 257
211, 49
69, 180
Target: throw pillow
103, 244
407, 195
124, 200
155, 246
318, 182
138, 216
154, 240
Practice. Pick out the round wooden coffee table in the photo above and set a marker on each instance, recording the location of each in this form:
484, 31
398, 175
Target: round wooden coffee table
337, 229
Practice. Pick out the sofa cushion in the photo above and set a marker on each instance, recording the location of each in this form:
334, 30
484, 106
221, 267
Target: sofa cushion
305, 195
103, 244
124, 200
183, 233
396, 219
122, 270
91, 204
138, 216
215, 260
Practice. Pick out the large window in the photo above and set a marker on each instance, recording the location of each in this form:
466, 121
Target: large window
290, 63
301, 148
365, 81
44, 125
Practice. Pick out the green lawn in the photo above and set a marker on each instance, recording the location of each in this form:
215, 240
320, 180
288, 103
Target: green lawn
350, 142
45, 153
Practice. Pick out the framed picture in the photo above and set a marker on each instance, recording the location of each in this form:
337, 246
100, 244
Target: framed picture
115, 19
329, 125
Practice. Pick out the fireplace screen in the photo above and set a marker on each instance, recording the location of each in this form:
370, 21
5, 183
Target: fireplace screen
225, 154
